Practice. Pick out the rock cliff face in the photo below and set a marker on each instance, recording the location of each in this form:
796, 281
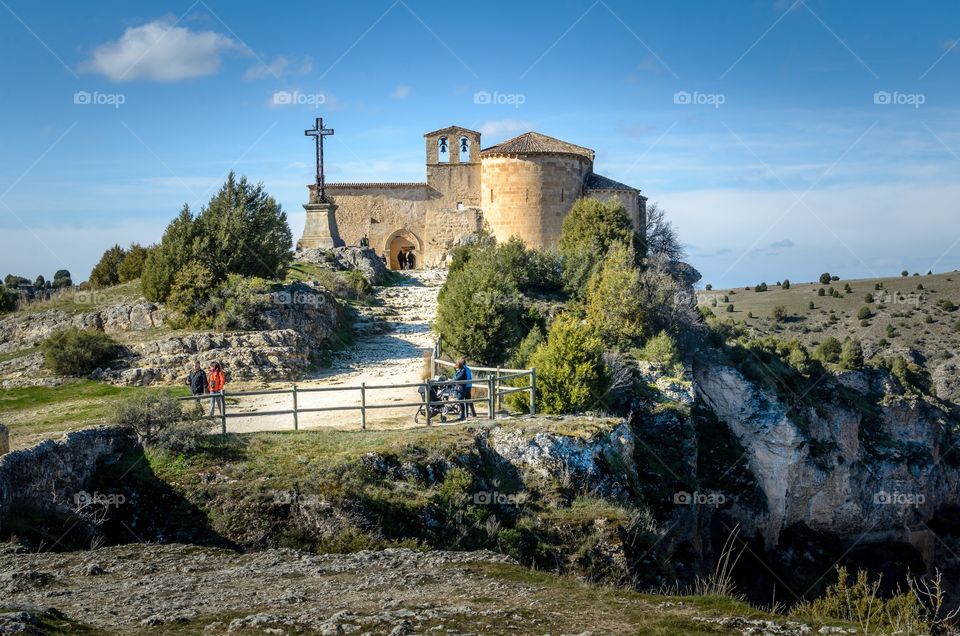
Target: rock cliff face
300, 321
52, 474
857, 473
25, 330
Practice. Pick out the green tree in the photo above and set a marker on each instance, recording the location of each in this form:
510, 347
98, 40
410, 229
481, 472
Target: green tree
571, 374
40, 282
865, 313
479, 313
131, 267
615, 302
242, 230
105, 274
779, 313
175, 250
12, 280
589, 231
786, 284
825, 278
62, 279
851, 356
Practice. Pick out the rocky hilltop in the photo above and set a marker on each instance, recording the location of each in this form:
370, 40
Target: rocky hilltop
300, 321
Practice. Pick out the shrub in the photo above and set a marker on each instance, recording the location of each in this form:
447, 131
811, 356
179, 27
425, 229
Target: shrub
762, 287
131, 267
786, 284
812, 306
571, 374
661, 348
709, 287
730, 309
799, 358
904, 273
189, 296
779, 313
829, 350
847, 289
891, 331
859, 601
158, 420
105, 273
869, 299
865, 313
821, 292
920, 287
8, 299
77, 352
825, 278
851, 356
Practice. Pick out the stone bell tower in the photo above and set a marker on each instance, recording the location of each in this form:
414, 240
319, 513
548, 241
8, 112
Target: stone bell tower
453, 166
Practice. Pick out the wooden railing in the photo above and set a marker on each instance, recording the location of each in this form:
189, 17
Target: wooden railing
497, 382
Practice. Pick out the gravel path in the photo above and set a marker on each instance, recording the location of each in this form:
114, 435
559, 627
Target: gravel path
392, 339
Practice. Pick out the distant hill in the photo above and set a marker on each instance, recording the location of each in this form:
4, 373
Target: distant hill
918, 313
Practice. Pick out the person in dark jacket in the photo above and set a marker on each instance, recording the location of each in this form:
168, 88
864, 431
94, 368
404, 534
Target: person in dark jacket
411, 261
197, 380
463, 393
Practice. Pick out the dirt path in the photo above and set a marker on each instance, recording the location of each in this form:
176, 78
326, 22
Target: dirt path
388, 350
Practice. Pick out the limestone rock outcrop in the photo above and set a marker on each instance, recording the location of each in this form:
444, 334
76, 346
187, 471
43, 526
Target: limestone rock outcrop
362, 259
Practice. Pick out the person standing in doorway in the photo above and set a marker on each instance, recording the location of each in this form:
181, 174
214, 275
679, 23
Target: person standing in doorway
364, 242
411, 260
217, 380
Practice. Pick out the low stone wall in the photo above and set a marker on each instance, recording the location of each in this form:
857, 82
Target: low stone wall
51, 474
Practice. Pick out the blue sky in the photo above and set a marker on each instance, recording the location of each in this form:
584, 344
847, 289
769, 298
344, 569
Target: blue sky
783, 138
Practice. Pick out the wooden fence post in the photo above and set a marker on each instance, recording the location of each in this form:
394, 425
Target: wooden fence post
533, 391
499, 397
363, 405
426, 399
296, 422
492, 397
223, 412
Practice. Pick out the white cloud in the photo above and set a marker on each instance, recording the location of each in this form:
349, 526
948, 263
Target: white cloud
160, 51
278, 68
499, 129
402, 92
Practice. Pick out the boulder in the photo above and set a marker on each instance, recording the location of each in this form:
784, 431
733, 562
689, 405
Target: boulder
362, 259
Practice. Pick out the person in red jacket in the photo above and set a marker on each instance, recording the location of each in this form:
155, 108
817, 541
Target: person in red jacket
216, 380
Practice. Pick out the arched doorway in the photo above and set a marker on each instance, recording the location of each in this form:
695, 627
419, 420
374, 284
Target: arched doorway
403, 242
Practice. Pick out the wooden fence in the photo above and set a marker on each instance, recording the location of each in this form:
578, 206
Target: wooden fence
496, 383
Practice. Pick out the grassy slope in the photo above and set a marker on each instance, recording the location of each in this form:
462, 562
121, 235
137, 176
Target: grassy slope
934, 339
36, 413
77, 302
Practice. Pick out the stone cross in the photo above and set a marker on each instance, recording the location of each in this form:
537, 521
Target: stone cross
318, 132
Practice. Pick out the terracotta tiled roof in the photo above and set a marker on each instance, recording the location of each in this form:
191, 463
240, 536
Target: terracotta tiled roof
450, 129
595, 181
536, 143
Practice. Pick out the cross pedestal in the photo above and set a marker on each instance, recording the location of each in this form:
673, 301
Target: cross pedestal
320, 230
